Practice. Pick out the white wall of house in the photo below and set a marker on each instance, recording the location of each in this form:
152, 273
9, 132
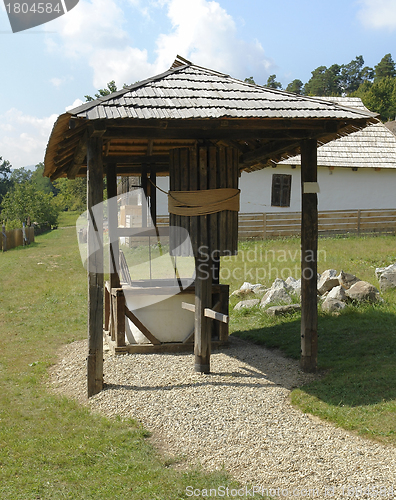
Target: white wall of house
340, 189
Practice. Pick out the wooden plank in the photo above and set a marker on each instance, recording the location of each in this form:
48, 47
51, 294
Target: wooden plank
119, 316
112, 215
146, 332
188, 307
169, 347
213, 184
309, 246
223, 215
184, 172
95, 267
209, 313
194, 187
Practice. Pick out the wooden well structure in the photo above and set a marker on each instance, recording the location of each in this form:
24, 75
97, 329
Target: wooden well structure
202, 128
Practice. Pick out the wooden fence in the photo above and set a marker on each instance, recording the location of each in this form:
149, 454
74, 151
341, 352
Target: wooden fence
332, 222
14, 238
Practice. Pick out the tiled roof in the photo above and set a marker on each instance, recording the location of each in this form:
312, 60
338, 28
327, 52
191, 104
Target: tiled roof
371, 147
188, 92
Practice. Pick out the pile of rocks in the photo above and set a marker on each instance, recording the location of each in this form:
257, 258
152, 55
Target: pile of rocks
334, 292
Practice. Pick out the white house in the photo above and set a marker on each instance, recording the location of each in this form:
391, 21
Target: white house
354, 172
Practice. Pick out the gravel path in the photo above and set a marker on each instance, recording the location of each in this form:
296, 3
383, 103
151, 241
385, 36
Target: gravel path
238, 417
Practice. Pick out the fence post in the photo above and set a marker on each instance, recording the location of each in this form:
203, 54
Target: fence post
4, 238
358, 222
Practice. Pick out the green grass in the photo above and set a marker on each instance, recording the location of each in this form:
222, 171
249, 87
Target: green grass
50, 447
69, 218
357, 349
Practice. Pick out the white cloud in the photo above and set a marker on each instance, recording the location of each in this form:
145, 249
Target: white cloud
202, 31
25, 137
378, 14
75, 104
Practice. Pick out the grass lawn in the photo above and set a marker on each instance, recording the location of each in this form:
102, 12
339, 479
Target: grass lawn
50, 447
357, 349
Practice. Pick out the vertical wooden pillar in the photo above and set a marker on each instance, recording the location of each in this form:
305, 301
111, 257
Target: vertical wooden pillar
144, 201
309, 247
203, 299
95, 266
112, 219
153, 194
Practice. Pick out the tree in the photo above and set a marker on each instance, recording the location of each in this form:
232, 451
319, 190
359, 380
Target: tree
354, 74
5, 177
380, 97
272, 83
250, 79
24, 202
20, 175
111, 87
386, 67
324, 82
42, 183
295, 86
72, 194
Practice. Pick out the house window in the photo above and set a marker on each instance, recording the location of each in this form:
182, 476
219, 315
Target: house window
281, 189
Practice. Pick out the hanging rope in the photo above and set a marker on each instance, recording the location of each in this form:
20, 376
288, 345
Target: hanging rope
203, 202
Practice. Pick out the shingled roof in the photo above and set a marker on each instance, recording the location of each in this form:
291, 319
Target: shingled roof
189, 103
371, 147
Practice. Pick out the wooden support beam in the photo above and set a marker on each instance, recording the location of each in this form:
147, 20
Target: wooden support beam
146, 332
95, 267
112, 217
119, 315
203, 299
208, 313
309, 246
79, 155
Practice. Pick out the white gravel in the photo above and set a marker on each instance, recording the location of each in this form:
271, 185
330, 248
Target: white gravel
238, 417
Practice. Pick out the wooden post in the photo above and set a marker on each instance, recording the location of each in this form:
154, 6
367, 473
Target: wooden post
112, 219
95, 266
309, 246
145, 197
203, 300
153, 194
4, 238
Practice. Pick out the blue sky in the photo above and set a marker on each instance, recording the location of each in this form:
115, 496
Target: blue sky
48, 68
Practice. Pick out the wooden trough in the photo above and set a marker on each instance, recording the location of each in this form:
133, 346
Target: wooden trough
202, 128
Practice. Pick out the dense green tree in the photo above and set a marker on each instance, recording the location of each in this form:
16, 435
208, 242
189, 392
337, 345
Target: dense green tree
272, 83
295, 86
354, 74
5, 177
20, 175
380, 97
386, 67
25, 203
42, 183
72, 194
324, 82
250, 79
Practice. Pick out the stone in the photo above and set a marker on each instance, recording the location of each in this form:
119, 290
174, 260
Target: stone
387, 280
246, 304
338, 293
346, 280
332, 305
280, 284
260, 289
295, 285
282, 310
381, 270
328, 280
276, 296
362, 291
242, 293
